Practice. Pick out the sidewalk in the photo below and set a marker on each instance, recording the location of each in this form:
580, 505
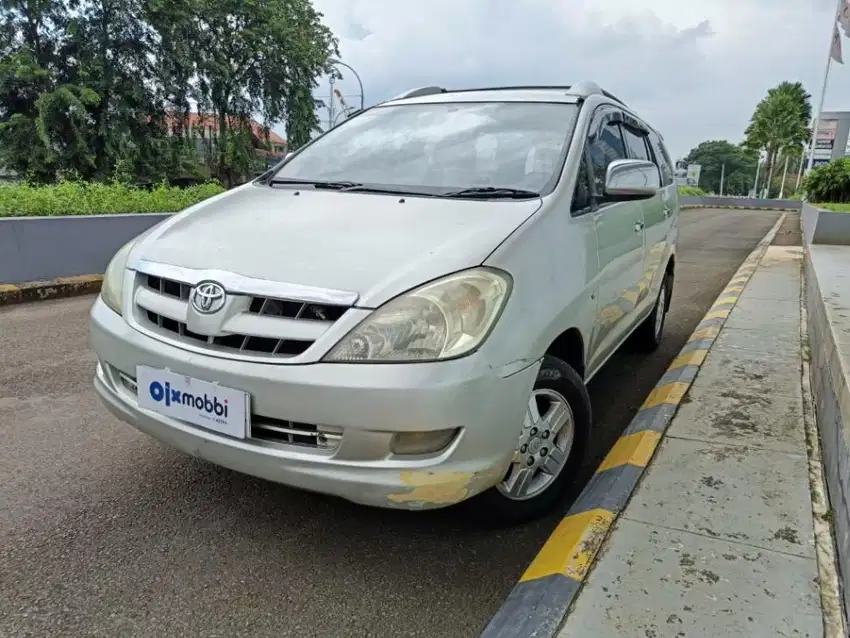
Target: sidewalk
718, 539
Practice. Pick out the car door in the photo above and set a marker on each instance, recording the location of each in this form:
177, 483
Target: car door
619, 232
636, 136
660, 231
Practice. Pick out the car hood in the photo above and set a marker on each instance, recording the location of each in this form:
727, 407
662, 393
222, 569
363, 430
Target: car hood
377, 246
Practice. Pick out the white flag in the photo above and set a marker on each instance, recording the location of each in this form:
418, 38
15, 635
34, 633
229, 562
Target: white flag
835, 49
844, 16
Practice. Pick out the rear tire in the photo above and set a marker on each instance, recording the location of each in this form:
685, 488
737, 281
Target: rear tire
552, 453
650, 333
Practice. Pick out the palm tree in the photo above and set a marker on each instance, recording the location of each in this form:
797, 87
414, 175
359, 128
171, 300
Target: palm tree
779, 123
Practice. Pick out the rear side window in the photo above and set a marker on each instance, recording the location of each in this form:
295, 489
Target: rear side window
662, 159
636, 143
605, 148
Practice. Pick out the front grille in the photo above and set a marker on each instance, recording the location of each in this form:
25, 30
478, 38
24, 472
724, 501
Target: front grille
293, 433
235, 341
167, 320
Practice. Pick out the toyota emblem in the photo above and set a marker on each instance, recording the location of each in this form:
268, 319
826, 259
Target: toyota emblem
208, 297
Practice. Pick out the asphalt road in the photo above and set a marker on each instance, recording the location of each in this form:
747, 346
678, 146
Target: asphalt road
104, 532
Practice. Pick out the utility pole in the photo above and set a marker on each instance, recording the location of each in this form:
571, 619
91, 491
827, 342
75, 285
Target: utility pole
756, 183
769, 179
331, 104
784, 175
800, 170
722, 176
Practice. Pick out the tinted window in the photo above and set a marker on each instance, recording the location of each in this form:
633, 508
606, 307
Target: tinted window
606, 147
635, 143
443, 146
581, 195
662, 159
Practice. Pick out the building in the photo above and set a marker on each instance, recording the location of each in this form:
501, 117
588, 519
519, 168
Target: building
831, 141
204, 129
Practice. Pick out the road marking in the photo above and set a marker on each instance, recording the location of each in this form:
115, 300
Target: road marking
695, 357
635, 449
571, 547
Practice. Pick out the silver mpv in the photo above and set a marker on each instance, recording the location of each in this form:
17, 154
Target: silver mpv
406, 311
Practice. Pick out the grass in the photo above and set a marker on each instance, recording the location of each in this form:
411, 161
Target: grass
843, 207
93, 198
691, 191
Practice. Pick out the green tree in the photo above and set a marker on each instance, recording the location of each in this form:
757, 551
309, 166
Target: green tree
31, 34
780, 123
254, 56
103, 88
713, 156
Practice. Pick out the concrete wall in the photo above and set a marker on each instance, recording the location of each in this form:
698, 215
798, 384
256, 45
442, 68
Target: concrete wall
826, 226
827, 288
740, 202
40, 248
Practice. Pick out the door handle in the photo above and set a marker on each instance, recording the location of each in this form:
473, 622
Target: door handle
639, 226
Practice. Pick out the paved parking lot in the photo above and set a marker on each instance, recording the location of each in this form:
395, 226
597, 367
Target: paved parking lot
104, 532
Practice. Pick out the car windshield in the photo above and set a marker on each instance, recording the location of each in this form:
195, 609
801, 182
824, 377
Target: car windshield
442, 147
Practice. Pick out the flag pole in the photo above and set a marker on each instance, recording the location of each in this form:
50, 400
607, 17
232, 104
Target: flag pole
816, 119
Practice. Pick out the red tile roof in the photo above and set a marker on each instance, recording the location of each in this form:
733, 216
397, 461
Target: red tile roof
209, 121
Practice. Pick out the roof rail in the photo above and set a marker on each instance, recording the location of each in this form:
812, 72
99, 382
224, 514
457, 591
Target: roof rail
423, 90
588, 87
527, 87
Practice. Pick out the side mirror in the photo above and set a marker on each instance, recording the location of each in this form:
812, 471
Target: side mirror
288, 155
628, 180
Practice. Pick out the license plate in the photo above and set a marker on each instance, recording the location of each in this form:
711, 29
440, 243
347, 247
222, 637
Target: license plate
208, 405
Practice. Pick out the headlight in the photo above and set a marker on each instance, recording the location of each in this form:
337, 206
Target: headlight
112, 288
444, 319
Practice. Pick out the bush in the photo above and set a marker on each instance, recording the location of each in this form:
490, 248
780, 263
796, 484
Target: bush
829, 182
691, 191
95, 198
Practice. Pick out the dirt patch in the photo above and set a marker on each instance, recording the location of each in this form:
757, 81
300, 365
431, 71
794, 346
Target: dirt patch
733, 423
787, 534
752, 397
789, 233
710, 481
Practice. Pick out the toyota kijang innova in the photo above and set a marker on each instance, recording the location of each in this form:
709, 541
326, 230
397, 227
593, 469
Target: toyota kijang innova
404, 312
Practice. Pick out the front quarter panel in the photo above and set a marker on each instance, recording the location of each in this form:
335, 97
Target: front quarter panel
554, 265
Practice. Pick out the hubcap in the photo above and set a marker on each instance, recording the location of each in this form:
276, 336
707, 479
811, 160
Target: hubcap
543, 447
659, 311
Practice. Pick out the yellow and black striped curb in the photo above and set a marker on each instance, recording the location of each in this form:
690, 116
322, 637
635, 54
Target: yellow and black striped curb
538, 604
775, 209
53, 289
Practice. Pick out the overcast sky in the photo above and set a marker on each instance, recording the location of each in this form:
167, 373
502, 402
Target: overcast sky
694, 70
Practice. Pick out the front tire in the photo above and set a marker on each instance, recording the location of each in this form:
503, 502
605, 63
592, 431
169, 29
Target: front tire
650, 333
550, 448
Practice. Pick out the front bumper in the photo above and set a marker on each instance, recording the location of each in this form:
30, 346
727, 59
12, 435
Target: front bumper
368, 402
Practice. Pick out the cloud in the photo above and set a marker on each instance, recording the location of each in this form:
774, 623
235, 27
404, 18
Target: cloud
694, 70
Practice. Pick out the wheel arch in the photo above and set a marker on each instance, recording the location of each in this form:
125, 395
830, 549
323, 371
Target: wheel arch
569, 347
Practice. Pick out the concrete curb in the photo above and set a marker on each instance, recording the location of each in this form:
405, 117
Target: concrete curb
53, 289
540, 601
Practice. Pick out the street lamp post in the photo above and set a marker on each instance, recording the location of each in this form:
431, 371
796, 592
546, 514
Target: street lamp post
356, 75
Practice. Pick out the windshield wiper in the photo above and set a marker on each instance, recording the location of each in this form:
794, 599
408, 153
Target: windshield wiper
492, 192
315, 183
